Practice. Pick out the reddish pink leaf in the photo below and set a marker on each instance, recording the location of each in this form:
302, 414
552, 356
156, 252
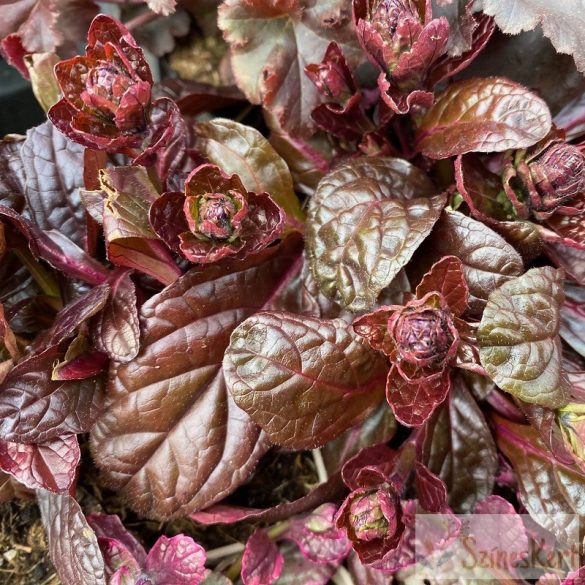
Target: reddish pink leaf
175, 561
262, 562
51, 466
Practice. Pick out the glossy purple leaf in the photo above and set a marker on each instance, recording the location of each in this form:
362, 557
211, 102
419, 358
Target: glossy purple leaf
175, 561
54, 173
51, 465
165, 148
483, 115
317, 537
12, 175
57, 249
458, 446
364, 223
302, 296
446, 277
413, 402
518, 337
242, 150
195, 430
69, 319
261, 562
73, 546
110, 526
80, 366
33, 408
276, 360
116, 328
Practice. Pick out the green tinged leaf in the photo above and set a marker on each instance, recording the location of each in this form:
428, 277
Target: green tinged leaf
271, 43
364, 223
303, 380
490, 114
40, 67
242, 150
130, 240
520, 348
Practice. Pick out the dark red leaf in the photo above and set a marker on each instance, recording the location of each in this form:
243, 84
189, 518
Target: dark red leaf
175, 561
69, 319
54, 173
12, 176
110, 526
365, 221
430, 490
275, 362
58, 250
446, 277
413, 402
188, 421
130, 239
33, 408
116, 330
458, 446
488, 260
548, 489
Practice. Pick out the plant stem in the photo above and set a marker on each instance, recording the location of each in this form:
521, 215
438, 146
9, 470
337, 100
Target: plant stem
225, 551
141, 19
342, 577
42, 276
320, 465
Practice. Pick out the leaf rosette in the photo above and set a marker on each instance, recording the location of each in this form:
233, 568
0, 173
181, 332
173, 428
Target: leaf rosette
421, 339
215, 217
107, 92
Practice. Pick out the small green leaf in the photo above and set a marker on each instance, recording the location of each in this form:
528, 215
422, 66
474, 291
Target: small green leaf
520, 348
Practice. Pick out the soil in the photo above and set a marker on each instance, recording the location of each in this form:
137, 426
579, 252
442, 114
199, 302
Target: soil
24, 559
